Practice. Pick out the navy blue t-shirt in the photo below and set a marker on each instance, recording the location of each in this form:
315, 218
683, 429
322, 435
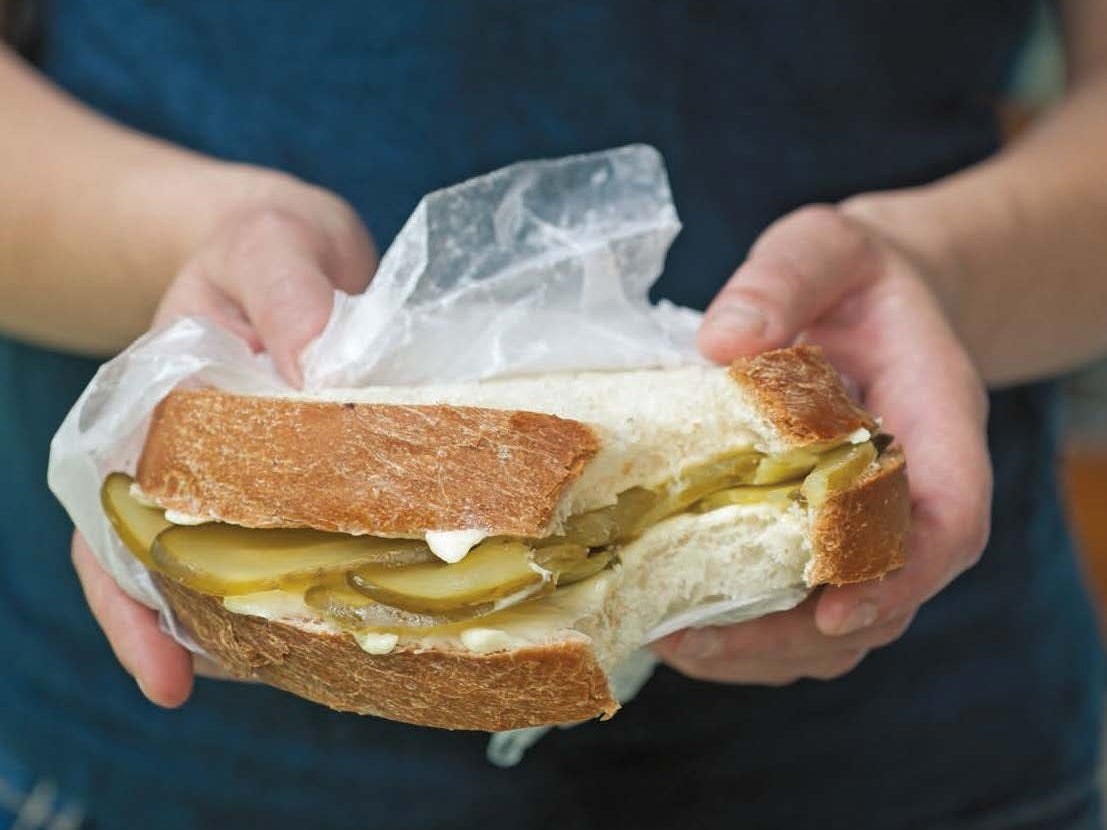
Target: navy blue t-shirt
989, 701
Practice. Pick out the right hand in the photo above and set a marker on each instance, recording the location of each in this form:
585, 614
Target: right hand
267, 274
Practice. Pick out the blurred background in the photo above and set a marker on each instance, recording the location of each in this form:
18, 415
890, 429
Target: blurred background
1037, 82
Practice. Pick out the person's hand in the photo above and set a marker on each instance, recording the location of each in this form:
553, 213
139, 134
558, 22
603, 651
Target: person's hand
268, 274
830, 278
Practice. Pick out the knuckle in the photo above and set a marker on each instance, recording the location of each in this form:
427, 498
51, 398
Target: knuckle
778, 680
271, 220
287, 309
856, 243
764, 641
694, 669
268, 228
891, 631
973, 523
838, 665
744, 643
965, 527
819, 216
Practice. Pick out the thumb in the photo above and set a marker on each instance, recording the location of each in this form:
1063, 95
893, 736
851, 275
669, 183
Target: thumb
802, 266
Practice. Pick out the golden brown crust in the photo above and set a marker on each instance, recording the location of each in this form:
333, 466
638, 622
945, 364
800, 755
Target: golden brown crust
801, 395
534, 686
359, 467
861, 533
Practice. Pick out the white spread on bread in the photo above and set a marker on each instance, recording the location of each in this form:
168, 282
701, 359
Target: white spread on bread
139, 495
179, 518
487, 640
453, 545
375, 642
859, 436
278, 605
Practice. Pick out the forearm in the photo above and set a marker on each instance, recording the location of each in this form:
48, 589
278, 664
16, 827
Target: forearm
1017, 246
95, 219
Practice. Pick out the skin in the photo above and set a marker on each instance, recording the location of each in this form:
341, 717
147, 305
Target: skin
987, 277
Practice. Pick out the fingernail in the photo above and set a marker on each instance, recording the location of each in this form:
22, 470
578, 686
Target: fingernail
700, 644
290, 368
738, 318
142, 688
860, 616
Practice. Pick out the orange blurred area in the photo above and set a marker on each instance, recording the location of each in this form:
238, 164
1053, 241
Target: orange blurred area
1084, 477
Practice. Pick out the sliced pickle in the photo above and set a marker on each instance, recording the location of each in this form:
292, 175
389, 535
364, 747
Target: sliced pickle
351, 609
136, 524
837, 470
696, 482
493, 570
728, 471
593, 529
749, 494
632, 509
791, 467
226, 560
571, 563
613, 523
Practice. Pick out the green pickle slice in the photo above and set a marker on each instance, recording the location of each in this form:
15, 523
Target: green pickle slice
614, 523
571, 563
837, 470
136, 524
351, 609
493, 570
226, 560
697, 482
749, 494
361, 582
791, 467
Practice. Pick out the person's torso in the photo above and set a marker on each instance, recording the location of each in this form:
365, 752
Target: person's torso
757, 108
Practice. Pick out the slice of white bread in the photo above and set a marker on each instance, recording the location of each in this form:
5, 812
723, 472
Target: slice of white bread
516, 457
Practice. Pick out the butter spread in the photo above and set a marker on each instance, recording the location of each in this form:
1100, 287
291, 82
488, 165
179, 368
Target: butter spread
271, 605
178, 518
486, 640
376, 642
139, 495
453, 545
859, 436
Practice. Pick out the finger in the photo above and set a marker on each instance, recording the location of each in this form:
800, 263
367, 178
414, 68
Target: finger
193, 293
770, 672
161, 667
787, 637
275, 271
355, 258
921, 381
780, 636
738, 662
803, 265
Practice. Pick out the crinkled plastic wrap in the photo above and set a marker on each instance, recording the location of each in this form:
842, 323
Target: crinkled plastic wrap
538, 267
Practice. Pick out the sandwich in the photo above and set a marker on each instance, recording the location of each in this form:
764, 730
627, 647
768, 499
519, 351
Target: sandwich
483, 555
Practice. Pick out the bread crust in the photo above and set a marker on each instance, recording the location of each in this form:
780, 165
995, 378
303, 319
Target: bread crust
861, 533
800, 395
390, 469
360, 468
533, 686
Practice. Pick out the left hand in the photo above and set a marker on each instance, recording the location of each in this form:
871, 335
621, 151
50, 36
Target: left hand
836, 281
267, 274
